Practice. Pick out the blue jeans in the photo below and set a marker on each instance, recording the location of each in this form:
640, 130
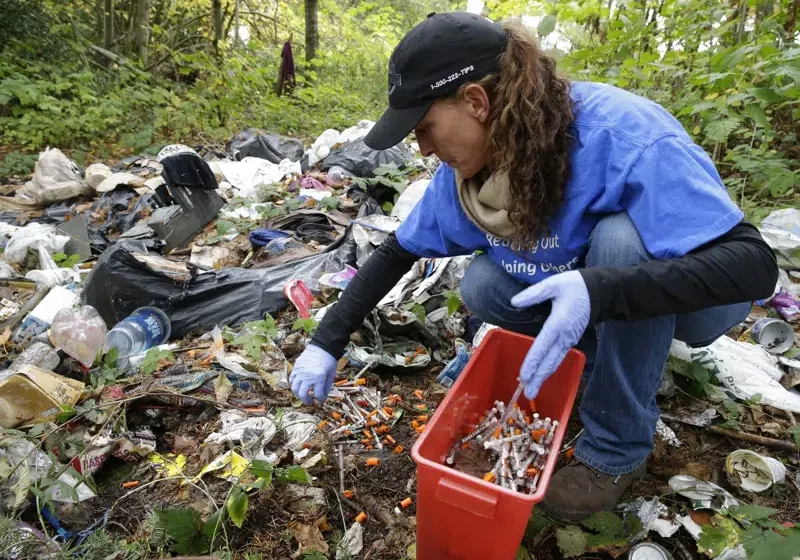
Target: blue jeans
626, 358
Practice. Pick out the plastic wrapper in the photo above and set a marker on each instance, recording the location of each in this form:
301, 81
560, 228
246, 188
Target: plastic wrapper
120, 283
55, 178
361, 160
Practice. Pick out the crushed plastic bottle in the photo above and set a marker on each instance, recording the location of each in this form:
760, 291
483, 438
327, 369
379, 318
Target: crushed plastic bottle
143, 329
80, 332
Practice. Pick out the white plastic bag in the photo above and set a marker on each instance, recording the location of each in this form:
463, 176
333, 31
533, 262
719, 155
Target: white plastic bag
745, 370
55, 178
34, 236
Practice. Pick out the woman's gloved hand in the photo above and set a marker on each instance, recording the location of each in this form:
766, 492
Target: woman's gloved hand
561, 331
315, 371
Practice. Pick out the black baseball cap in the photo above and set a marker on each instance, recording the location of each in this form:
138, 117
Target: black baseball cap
433, 60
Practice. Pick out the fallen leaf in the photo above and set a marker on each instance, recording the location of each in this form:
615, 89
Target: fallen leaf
701, 517
308, 537
758, 414
697, 470
222, 388
5, 336
772, 428
184, 444
322, 524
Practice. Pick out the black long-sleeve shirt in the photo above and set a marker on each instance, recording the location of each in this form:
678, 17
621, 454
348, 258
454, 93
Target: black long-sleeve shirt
737, 266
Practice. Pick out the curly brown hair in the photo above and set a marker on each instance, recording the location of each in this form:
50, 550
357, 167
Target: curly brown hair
531, 112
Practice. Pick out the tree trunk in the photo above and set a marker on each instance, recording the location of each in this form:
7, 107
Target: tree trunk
743, 11
141, 31
236, 22
216, 16
108, 24
312, 30
791, 21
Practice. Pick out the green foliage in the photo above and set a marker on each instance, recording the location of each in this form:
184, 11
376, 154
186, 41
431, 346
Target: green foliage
17, 163
291, 474
237, 506
750, 526
571, 541
66, 261
329, 203
254, 334
153, 356
109, 370
418, 310
308, 325
188, 531
794, 431
453, 300
314, 555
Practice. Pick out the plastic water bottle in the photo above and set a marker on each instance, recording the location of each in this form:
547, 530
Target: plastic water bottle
143, 329
80, 332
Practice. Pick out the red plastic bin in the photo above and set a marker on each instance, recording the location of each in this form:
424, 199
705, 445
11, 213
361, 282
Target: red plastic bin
461, 517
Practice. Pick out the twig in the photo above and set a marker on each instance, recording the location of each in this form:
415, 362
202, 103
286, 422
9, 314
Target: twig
752, 438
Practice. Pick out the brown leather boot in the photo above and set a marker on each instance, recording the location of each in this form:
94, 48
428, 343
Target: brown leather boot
577, 491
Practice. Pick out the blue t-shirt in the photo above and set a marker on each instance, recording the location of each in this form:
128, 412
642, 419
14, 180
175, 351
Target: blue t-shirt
628, 155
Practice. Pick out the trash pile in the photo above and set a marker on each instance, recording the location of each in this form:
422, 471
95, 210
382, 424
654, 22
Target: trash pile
151, 311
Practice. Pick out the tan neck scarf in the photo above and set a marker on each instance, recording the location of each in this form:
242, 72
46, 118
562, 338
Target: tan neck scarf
486, 199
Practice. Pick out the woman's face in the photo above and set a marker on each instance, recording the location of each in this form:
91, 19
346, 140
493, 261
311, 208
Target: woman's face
456, 131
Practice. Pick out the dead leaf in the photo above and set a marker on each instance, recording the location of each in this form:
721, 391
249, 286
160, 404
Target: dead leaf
222, 388
701, 517
185, 445
308, 537
322, 524
757, 412
772, 428
5, 336
697, 470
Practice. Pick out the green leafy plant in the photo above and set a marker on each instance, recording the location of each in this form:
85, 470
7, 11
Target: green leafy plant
188, 531
308, 325
254, 334
453, 300
750, 526
571, 541
109, 370
66, 261
329, 203
153, 357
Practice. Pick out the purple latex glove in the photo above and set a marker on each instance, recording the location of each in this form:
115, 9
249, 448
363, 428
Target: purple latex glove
561, 331
314, 371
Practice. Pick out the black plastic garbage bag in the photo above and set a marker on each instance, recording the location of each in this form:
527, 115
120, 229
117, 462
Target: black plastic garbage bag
360, 160
119, 284
265, 145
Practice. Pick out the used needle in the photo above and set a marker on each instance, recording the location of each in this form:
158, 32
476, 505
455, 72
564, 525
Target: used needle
511, 403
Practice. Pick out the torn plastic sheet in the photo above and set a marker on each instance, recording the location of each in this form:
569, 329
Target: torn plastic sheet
406, 355
265, 145
667, 434
701, 419
230, 360
743, 369
119, 284
352, 542
33, 236
702, 494
409, 198
655, 516
248, 174
781, 231
423, 276
361, 160
255, 433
